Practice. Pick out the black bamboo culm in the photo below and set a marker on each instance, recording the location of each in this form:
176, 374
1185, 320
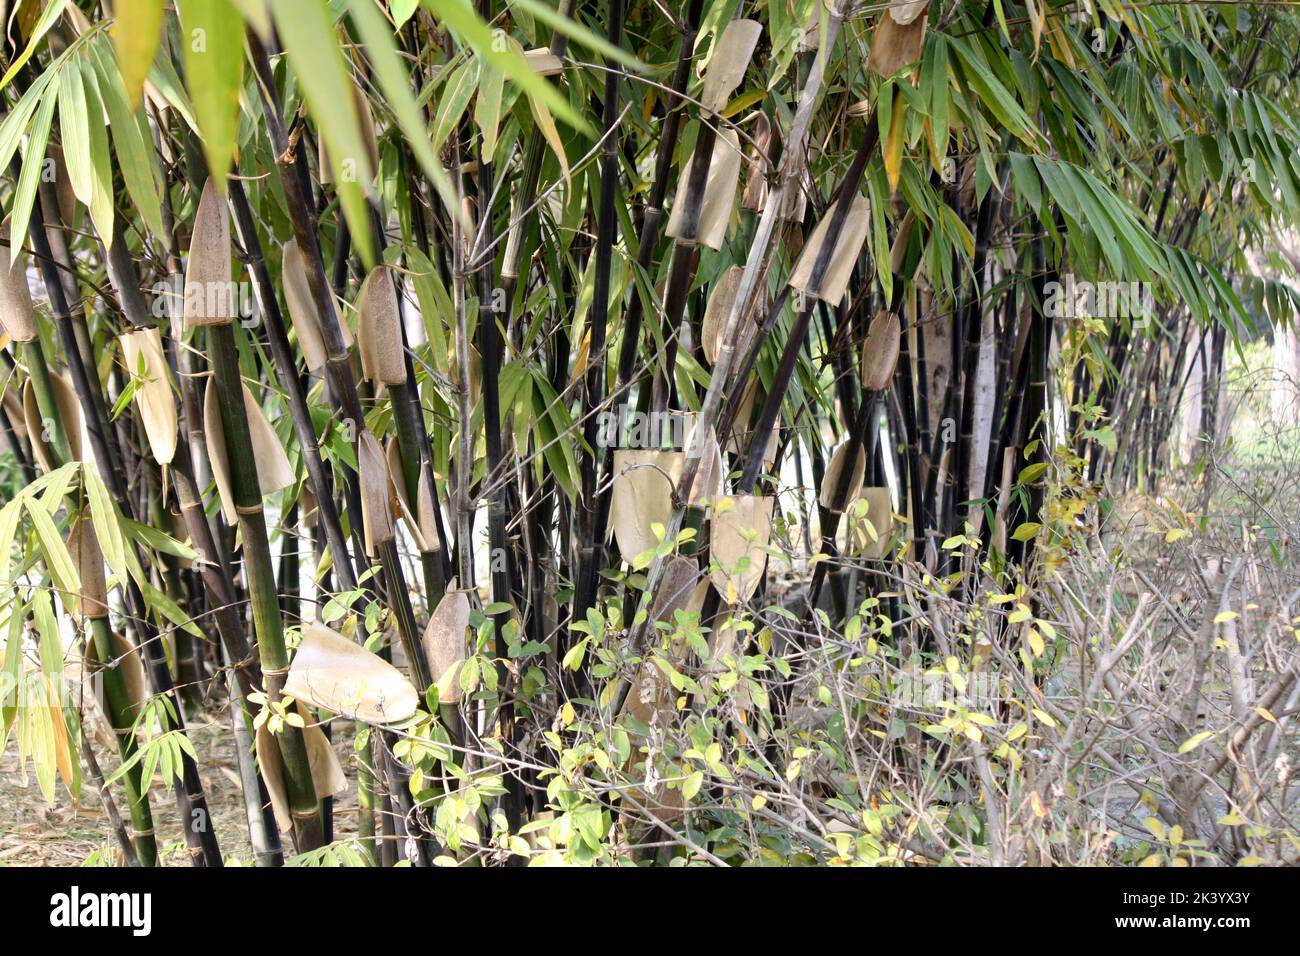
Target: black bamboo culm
318, 477
845, 195
592, 547
759, 260
200, 835
647, 238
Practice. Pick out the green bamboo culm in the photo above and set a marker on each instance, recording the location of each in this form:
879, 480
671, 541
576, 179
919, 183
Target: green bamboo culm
268, 624
120, 715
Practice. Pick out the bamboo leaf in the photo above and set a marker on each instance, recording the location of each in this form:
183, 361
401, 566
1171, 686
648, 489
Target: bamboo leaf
49, 17
134, 147
74, 126
895, 142
57, 558
311, 43
10, 515
395, 83
32, 169
547, 125
576, 31
100, 203
212, 42
461, 19
136, 34
487, 110
168, 609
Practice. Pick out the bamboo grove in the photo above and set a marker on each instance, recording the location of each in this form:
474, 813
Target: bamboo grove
524, 392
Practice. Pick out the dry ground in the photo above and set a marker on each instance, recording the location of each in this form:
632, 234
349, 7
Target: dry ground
72, 834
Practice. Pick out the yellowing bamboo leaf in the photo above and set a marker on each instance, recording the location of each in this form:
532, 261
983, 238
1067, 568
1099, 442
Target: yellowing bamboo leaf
552, 136
895, 142
136, 33
1194, 741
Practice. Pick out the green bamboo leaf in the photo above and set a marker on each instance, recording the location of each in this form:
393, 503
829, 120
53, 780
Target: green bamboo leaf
395, 84
131, 141
32, 168
994, 95
15, 123
459, 17
13, 663
136, 34
307, 32
57, 558
455, 99
257, 16
9, 517
104, 516
487, 110
100, 204
47, 20
168, 83
74, 126
56, 486
936, 82
212, 41
402, 10
157, 540
577, 32
169, 609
